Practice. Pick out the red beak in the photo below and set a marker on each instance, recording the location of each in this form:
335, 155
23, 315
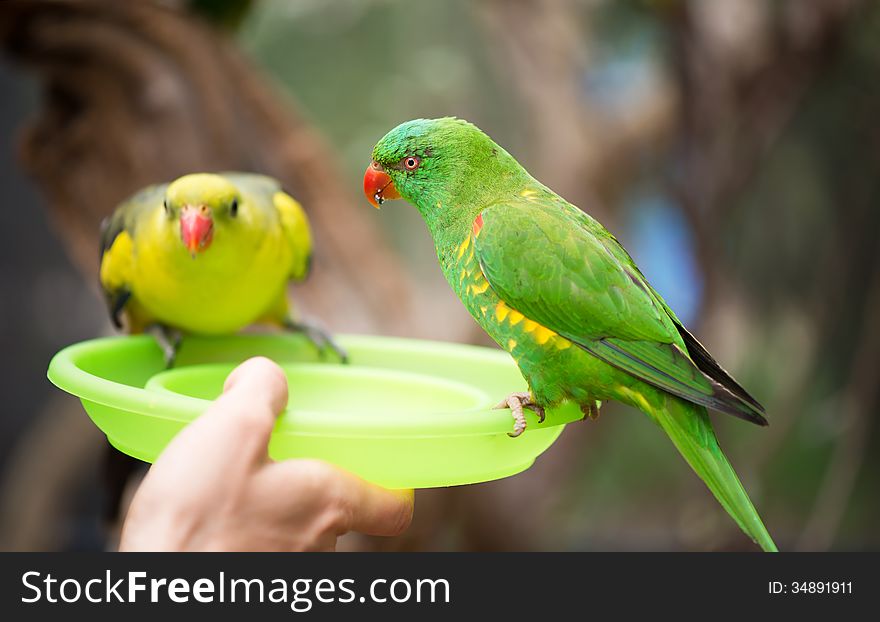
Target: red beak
378, 186
196, 228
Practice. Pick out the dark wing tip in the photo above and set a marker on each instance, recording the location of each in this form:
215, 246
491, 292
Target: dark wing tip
751, 417
115, 303
709, 366
731, 403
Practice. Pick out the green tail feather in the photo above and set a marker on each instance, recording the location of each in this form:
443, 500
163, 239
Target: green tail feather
691, 431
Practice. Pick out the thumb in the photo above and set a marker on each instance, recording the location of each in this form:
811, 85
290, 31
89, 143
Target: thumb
259, 383
237, 426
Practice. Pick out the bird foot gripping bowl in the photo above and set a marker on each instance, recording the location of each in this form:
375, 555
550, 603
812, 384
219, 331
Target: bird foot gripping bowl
402, 414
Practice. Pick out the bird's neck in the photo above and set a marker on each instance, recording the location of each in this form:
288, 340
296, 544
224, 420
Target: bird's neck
450, 211
449, 227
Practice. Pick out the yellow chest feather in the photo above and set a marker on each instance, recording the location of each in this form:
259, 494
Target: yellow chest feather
231, 284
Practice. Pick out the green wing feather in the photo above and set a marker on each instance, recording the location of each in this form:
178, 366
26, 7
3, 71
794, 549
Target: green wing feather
698, 353
126, 215
579, 282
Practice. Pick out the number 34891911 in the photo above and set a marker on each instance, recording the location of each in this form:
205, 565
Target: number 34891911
810, 587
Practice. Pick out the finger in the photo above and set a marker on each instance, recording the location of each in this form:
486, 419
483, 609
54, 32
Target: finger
350, 503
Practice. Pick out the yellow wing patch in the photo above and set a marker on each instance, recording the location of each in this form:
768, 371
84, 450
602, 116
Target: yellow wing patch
296, 228
543, 334
561, 343
117, 263
479, 288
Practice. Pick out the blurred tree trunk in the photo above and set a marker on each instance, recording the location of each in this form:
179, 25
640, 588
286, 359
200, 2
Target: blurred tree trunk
742, 69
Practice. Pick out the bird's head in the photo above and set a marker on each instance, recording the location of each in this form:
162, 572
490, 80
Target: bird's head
441, 166
201, 202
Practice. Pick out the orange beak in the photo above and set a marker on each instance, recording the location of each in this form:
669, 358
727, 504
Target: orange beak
196, 228
378, 186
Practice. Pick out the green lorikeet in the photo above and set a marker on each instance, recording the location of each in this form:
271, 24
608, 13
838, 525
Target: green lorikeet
207, 254
556, 290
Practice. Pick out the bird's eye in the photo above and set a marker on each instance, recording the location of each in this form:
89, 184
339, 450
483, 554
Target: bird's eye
166, 206
411, 163
233, 207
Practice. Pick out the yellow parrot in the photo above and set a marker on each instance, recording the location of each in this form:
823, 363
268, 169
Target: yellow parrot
207, 254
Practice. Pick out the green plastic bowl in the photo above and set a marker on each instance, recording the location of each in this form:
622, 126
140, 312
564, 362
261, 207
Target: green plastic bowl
402, 414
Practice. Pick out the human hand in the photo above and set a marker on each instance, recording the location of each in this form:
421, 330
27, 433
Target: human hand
215, 488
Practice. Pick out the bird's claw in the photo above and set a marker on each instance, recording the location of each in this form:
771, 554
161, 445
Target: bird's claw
516, 402
591, 409
320, 338
169, 340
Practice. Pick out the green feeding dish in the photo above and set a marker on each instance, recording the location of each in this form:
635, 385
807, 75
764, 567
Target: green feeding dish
402, 413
